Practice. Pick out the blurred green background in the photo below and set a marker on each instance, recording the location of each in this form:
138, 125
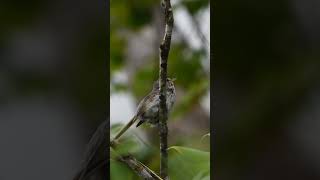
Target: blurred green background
136, 30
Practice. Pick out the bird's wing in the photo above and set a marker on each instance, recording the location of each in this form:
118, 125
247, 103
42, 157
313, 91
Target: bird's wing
144, 104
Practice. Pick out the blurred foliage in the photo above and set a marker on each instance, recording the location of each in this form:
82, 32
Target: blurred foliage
127, 144
193, 6
120, 171
192, 97
119, 87
188, 163
185, 65
192, 82
145, 75
131, 14
185, 163
130, 143
116, 52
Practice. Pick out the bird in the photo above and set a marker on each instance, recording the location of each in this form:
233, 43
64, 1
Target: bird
148, 108
96, 159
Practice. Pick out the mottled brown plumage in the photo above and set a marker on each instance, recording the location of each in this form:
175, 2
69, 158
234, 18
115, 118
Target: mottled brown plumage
148, 108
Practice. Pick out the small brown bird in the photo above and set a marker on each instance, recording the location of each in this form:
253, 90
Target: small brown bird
148, 108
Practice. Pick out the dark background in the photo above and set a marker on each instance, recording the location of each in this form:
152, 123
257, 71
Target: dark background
53, 85
266, 63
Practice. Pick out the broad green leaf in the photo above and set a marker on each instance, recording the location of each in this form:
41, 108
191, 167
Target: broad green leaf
187, 163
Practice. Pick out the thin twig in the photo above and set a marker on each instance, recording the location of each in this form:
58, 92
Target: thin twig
135, 166
138, 167
205, 43
151, 172
163, 112
96, 156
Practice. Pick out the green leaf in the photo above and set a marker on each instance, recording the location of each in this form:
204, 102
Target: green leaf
128, 143
119, 171
203, 175
188, 163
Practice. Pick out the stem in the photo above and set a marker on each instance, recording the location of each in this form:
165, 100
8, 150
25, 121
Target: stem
163, 112
138, 167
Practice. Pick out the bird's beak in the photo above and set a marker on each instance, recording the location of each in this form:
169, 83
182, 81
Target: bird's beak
173, 79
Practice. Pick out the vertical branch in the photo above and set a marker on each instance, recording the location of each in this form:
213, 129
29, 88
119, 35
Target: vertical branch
163, 111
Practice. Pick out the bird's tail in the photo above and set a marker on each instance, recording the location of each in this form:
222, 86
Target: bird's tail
139, 123
124, 129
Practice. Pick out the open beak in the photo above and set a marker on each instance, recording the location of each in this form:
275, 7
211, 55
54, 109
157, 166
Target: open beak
173, 79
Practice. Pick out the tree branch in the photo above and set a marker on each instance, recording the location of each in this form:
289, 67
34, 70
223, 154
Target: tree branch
139, 168
96, 157
163, 111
